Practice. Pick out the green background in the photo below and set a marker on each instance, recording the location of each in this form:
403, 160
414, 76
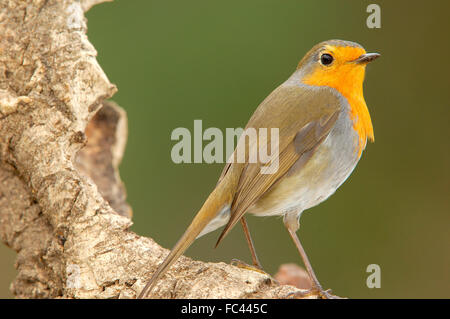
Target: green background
176, 61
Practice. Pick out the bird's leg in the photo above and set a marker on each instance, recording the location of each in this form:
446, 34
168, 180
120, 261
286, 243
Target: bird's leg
292, 224
256, 264
251, 246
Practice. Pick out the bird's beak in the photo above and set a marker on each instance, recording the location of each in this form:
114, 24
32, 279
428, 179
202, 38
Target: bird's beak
366, 58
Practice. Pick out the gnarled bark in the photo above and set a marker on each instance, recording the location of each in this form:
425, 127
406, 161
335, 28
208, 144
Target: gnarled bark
62, 204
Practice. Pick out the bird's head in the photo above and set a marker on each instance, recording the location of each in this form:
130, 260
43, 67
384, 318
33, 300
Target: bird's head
341, 65
336, 63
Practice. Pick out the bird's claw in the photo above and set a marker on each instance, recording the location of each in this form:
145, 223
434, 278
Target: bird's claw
322, 294
240, 264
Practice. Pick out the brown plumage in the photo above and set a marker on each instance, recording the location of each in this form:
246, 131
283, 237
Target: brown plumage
319, 112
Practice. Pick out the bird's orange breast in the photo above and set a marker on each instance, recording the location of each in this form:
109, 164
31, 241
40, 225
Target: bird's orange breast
348, 80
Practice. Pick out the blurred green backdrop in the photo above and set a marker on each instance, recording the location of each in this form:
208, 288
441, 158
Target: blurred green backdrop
176, 61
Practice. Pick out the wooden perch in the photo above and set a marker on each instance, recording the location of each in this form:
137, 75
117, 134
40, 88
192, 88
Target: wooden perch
62, 204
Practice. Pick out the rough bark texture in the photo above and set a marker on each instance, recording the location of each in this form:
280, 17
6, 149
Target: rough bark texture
62, 204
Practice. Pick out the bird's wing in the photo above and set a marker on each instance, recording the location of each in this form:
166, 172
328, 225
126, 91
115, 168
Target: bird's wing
304, 117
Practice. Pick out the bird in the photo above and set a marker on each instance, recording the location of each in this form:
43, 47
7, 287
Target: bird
323, 127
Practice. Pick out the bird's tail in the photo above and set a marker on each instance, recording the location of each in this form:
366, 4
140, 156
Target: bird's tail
215, 202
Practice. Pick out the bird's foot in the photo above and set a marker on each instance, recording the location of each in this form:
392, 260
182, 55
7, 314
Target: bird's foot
240, 264
319, 292
243, 265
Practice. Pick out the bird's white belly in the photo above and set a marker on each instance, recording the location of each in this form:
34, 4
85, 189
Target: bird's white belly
319, 178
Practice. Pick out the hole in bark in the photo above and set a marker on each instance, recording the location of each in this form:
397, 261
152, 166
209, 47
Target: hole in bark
106, 134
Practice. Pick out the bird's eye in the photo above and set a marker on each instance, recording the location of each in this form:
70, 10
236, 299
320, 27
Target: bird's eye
326, 59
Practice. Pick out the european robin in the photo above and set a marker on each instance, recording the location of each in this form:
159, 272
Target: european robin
323, 124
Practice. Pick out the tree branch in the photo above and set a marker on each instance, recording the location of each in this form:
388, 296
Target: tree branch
62, 203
